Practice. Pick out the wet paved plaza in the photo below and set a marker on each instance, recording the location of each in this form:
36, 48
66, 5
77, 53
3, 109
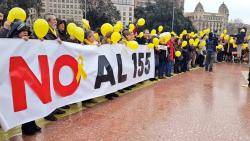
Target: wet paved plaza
195, 106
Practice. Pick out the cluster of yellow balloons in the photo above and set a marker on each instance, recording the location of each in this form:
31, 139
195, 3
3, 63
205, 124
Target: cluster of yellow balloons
165, 37
16, 13
76, 32
106, 28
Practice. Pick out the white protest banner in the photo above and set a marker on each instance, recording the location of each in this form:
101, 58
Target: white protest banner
38, 77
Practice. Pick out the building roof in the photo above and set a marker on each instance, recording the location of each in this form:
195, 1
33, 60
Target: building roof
199, 8
223, 9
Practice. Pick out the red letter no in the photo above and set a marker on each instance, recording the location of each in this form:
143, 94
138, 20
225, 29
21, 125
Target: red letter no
21, 73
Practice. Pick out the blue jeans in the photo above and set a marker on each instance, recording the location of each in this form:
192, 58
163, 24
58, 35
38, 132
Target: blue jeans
169, 67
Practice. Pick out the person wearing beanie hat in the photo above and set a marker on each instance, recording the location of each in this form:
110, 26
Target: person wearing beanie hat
19, 30
61, 26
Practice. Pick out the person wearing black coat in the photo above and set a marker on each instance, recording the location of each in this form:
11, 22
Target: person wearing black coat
61, 26
20, 30
53, 35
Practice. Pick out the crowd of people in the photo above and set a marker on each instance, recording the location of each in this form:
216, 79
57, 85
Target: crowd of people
181, 53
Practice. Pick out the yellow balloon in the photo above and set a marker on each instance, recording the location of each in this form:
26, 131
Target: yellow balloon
85, 24
196, 42
184, 44
141, 22
222, 36
191, 42
119, 22
106, 28
16, 13
173, 33
79, 34
153, 32
156, 41
168, 37
226, 38
131, 27
219, 46
225, 31
184, 32
71, 29
115, 37
231, 41
41, 28
202, 44
117, 27
160, 28
141, 34
244, 46
133, 45
192, 34
151, 45
177, 53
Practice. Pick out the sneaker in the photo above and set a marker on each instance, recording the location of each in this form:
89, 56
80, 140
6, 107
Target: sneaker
128, 89
66, 107
51, 117
59, 112
115, 95
121, 91
109, 97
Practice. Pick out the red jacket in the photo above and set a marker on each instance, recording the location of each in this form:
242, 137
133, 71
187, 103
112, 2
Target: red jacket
171, 49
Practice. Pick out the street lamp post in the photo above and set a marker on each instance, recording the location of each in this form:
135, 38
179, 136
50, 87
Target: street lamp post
173, 17
85, 9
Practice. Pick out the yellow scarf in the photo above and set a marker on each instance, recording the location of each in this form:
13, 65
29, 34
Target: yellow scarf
88, 42
53, 31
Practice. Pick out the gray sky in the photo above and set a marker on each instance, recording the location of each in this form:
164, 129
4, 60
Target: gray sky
237, 8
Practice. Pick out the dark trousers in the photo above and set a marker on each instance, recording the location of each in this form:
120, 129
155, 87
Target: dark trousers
200, 60
157, 67
177, 66
162, 68
220, 56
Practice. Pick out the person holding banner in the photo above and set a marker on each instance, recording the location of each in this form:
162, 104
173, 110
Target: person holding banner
21, 30
53, 35
53, 32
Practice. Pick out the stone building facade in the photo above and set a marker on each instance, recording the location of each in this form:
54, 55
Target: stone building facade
215, 21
